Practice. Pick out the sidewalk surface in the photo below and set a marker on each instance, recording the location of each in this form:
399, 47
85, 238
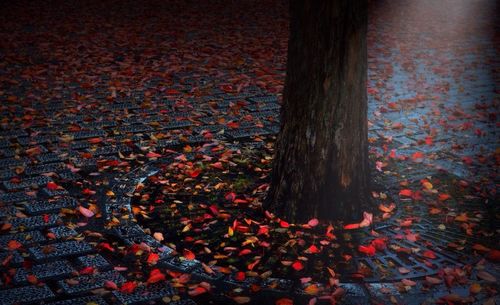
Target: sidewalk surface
97, 96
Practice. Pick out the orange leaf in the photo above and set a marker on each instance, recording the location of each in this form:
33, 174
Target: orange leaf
406, 193
443, 197
284, 301
14, 244
312, 289
387, 209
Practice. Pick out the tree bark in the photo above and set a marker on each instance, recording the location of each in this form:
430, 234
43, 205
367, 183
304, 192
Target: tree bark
321, 159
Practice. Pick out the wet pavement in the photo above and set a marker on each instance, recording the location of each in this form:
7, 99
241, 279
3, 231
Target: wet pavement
95, 98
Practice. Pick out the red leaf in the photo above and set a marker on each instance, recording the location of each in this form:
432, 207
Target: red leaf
230, 196
197, 291
52, 186
152, 155
217, 165
244, 252
88, 192
110, 285
188, 254
252, 265
87, 270
312, 250
284, 301
429, 254
368, 250
128, 287
352, 226
297, 265
313, 222
284, 224
494, 255
240, 276
155, 276
379, 244
153, 258
85, 212
195, 173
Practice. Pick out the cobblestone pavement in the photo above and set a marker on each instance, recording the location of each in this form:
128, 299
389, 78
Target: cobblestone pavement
90, 94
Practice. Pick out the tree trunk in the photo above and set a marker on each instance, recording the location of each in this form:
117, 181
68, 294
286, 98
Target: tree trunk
321, 158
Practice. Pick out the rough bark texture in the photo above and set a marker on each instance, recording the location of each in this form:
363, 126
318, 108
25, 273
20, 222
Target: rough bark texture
321, 159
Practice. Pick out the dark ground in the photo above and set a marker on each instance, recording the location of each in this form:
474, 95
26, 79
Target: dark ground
114, 111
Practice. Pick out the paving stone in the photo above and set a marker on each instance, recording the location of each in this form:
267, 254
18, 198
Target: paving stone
15, 197
127, 231
69, 175
37, 140
44, 168
62, 232
59, 250
35, 222
211, 128
85, 134
266, 115
7, 211
50, 157
145, 294
122, 106
177, 264
25, 183
96, 261
201, 276
277, 285
50, 206
231, 282
246, 133
136, 128
183, 302
89, 300
263, 99
6, 174
109, 150
5, 143
50, 271
98, 125
164, 143
78, 145
48, 193
11, 259
13, 162
85, 164
90, 282
176, 125
13, 133
25, 238
7, 152
25, 295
